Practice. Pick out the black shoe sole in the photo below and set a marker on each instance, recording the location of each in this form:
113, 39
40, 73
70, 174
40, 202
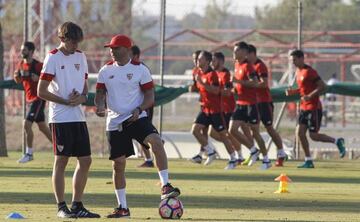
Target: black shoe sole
174, 193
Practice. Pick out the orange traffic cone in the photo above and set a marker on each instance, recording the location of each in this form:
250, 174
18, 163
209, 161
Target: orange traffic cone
283, 186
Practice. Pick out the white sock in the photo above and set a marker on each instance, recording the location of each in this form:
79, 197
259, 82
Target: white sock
29, 150
266, 158
308, 158
253, 149
148, 160
208, 149
201, 153
121, 197
164, 177
232, 156
281, 153
238, 155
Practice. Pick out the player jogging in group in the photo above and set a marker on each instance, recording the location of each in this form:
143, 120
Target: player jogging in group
193, 88
265, 104
28, 73
310, 86
63, 82
246, 113
128, 89
227, 101
207, 82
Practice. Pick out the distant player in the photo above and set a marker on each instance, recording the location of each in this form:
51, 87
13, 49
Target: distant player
246, 114
63, 82
265, 104
227, 101
310, 87
135, 56
193, 88
28, 72
207, 82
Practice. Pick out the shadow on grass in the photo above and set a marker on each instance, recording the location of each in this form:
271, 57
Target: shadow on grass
241, 177
196, 202
243, 220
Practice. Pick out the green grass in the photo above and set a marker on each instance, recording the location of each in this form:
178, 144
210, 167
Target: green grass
330, 192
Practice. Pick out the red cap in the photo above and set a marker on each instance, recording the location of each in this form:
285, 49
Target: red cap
119, 40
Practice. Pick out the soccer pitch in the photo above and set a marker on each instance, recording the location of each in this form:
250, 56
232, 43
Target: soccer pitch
330, 192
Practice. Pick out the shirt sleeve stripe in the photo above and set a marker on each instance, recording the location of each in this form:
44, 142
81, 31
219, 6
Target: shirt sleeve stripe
46, 76
146, 86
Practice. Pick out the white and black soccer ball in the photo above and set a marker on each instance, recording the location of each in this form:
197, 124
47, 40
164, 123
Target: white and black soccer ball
171, 208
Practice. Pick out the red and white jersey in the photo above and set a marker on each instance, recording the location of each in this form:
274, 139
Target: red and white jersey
124, 87
65, 73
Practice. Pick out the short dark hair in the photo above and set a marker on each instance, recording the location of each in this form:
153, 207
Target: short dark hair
197, 53
242, 45
297, 53
135, 50
219, 55
70, 31
252, 49
207, 55
30, 46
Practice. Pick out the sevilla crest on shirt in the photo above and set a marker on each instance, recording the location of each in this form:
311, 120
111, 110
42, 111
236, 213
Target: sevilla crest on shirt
77, 67
129, 76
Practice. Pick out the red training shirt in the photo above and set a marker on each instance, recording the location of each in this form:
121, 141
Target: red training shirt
246, 95
30, 87
209, 102
262, 94
227, 102
306, 79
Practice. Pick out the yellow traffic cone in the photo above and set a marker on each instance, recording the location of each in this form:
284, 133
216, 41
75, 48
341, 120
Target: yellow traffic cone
283, 186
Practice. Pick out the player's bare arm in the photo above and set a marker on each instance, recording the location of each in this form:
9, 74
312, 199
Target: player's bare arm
262, 82
44, 93
17, 78
35, 78
227, 90
193, 88
319, 89
75, 98
149, 100
100, 102
290, 91
210, 88
251, 83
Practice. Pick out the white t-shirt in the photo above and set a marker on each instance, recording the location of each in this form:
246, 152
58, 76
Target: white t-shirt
124, 86
66, 73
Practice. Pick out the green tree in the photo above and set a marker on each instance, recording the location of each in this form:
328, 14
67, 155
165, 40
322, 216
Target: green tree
317, 15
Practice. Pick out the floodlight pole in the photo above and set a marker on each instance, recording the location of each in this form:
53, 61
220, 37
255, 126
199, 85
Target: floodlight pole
162, 53
299, 46
26, 36
292, 79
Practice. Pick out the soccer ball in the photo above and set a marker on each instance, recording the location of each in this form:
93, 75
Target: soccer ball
171, 208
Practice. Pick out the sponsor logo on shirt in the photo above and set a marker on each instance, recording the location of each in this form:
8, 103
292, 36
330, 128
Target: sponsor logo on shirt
62, 67
77, 67
129, 76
